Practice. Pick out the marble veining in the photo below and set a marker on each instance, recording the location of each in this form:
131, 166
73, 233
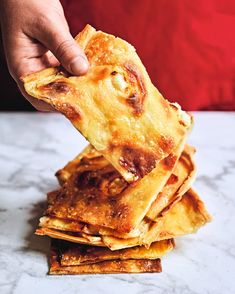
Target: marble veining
33, 146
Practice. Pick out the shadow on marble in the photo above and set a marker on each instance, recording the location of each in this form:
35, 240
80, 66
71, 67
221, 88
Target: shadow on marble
35, 242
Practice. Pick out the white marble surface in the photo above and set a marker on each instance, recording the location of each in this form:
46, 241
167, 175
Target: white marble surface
34, 146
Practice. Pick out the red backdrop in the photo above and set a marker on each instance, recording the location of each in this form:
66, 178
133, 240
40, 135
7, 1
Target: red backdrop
187, 46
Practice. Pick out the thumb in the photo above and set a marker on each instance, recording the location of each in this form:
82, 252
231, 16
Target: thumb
66, 50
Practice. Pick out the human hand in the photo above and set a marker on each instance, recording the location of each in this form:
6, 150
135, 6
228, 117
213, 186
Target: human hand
35, 36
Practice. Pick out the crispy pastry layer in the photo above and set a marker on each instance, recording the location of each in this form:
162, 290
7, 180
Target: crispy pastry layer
176, 186
179, 182
76, 254
97, 194
107, 184
115, 105
185, 217
103, 267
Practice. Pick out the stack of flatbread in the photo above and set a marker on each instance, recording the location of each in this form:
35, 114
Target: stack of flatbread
128, 194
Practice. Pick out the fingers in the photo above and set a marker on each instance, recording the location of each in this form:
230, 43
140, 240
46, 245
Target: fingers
39, 38
59, 41
23, 55
49, 60
70, 55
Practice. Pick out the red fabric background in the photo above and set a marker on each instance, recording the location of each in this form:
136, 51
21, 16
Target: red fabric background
187, 46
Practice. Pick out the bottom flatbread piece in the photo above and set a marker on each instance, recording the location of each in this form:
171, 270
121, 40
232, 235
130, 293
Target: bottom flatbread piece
103, 267
70, 258
77, 254
108, 267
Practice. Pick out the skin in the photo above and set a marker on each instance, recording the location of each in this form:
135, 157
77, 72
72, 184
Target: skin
35, 36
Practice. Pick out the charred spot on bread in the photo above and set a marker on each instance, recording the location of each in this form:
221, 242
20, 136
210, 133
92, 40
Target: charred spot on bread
100, 74
104, 182
137, 160
169, 161
122, 212
172, 179
166, 143
135, 102
68, 110
182, 123
58, 86
86, 180
137, 97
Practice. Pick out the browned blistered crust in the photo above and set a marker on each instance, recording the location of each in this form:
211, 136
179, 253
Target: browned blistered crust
77, 254
98, 195
179, 182
107, 267
102, 187
104, 267
184, 217
138, 94
198, 205
114, 104
136, 160
169, 161
172, 179
59, 86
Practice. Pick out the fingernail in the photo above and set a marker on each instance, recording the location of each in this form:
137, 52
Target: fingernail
79, 65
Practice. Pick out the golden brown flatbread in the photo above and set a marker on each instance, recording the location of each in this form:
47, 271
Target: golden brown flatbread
71, 260
91, 160
70, 236
115, 105
77, 254
185, 217
97, 194
88, 156
107, 267
179, 182
177, 185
